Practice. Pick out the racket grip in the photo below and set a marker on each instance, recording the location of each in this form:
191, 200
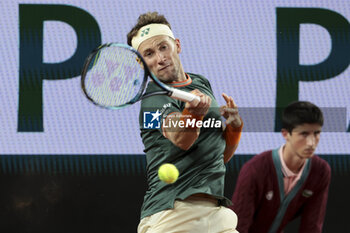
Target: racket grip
184, 96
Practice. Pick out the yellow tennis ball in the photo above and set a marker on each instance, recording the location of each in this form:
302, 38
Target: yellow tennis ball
168, 173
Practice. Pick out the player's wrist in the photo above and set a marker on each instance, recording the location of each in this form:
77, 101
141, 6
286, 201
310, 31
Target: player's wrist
236, 124
232, 135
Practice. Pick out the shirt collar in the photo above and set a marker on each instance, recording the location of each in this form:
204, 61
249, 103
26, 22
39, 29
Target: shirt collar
285, 170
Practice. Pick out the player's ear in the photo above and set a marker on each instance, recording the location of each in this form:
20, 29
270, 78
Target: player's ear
285, 133
178, 45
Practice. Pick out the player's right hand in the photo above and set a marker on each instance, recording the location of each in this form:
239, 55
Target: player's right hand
201, 108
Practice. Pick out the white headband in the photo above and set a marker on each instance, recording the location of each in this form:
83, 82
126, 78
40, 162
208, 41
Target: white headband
149, 31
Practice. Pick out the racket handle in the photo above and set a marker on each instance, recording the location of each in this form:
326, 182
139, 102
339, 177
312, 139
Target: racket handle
184, 96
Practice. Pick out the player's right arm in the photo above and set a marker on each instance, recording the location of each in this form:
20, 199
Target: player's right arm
184, 137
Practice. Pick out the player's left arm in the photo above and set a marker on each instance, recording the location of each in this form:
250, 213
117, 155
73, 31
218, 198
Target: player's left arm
314, 210
234, 125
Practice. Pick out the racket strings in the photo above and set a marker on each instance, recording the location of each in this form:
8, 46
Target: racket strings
114, 78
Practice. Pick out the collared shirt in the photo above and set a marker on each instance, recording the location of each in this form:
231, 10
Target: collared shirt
290, 178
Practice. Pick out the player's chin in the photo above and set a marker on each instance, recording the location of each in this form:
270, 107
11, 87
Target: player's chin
165, 74
167, 71
166, 78
308, 153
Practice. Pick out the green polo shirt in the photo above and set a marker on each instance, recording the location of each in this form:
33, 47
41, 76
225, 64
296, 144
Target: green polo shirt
201, 168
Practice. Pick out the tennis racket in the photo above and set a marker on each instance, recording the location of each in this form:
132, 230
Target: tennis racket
115, 76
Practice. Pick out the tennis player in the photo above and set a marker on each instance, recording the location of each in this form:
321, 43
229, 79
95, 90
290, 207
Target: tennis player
195, 202
275, 187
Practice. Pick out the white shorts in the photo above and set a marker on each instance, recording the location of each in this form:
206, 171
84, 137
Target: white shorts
193, 215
